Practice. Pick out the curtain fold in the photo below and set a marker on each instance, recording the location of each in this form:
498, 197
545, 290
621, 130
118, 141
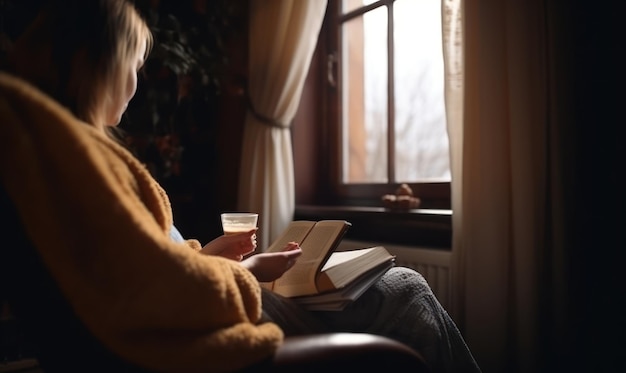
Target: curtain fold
453, 53
507, 245
282, 38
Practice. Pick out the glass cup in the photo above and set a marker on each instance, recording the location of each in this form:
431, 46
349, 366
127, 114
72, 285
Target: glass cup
237, 222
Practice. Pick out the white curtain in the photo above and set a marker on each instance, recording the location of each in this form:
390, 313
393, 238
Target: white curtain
282, 37
507, 252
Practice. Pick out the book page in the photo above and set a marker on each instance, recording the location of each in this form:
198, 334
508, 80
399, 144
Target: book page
322, 238
367, 257
300, 279
296, 231
342, 268
338, 299
344, 256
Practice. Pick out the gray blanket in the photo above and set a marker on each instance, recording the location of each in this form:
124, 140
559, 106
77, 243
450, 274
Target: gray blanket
401, 305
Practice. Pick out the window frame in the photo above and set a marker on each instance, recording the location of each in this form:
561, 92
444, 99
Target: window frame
433, 195
320, 193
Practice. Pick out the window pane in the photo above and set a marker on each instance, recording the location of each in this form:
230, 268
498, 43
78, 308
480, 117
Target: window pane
364, 98
350, 5
421, 152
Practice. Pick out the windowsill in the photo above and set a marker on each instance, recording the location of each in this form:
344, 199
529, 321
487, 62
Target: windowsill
416, 227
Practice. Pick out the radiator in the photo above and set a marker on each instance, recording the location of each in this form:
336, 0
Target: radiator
433, 264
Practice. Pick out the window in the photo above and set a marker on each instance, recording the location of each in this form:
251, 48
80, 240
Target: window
386, 100
378, 70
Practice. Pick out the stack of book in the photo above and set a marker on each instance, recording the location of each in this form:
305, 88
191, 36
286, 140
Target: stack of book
324, 279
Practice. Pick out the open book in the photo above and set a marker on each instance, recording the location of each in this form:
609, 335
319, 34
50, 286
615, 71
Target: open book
323, 279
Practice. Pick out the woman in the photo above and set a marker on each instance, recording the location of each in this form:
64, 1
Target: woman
137, 285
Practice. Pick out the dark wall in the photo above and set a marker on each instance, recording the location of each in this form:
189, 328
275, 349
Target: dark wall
211, 185
193, 146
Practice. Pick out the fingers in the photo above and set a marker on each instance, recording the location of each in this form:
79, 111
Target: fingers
292, 256
246, 248
293, 253
247, 241
291, 246
252, 234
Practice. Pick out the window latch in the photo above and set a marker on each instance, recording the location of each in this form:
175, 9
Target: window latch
331, 62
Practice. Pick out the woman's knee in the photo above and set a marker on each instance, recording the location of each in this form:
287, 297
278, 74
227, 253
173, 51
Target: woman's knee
403, 279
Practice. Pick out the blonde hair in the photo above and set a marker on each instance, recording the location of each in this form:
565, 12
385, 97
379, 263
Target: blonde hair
75, 51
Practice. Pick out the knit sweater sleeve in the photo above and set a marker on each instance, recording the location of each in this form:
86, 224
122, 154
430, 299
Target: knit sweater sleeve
100, 224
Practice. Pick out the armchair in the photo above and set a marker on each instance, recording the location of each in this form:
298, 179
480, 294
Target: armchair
64, 344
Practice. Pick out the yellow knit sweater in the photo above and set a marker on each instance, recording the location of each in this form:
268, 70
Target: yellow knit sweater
100, 223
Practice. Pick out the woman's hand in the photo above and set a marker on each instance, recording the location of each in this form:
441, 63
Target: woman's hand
232, 246
268, 267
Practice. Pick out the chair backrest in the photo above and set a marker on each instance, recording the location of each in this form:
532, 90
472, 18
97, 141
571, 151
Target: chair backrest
60, 342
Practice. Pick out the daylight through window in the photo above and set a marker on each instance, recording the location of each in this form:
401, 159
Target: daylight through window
392, 78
